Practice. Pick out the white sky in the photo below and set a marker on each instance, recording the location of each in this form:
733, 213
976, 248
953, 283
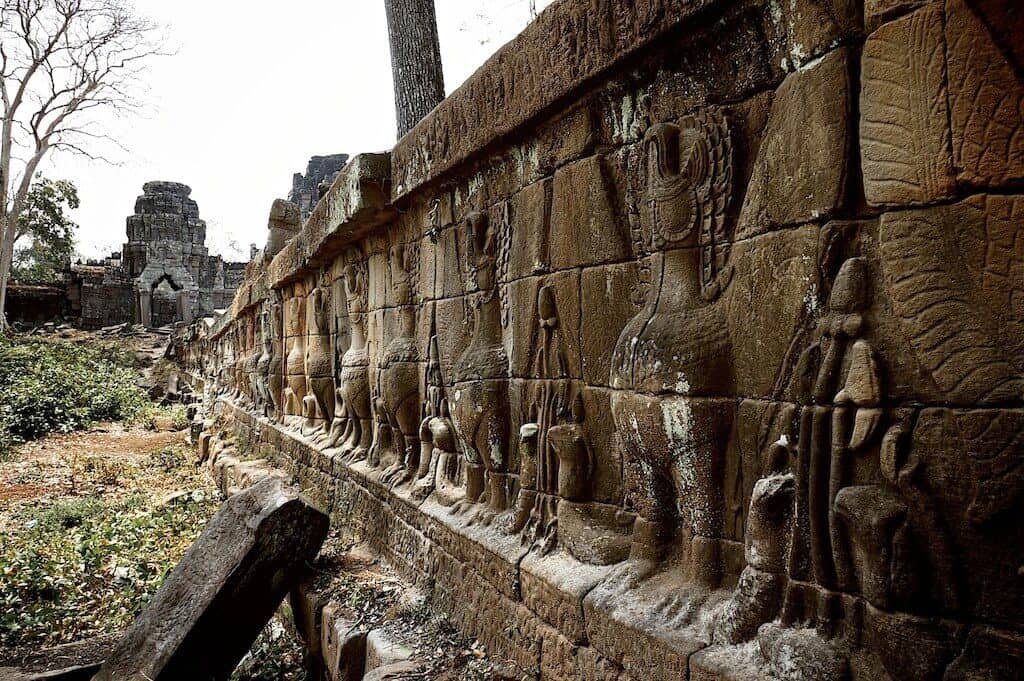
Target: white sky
254, 90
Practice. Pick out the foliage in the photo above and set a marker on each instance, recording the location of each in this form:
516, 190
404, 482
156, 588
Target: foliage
49, 231
64, 63
55, 386
83, 567
7, 441
168, 459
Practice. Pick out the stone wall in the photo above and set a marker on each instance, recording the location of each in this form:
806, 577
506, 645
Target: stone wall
34, 304
100, 295
685, 340
320, 173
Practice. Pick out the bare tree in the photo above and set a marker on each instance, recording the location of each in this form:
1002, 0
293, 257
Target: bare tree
415, 60
61, 63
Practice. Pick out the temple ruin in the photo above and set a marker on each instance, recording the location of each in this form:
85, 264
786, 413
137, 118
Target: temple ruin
684, 341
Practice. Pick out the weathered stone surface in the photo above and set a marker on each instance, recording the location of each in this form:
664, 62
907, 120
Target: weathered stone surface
904, 126
320, 173
800, 655
383, 651
608, 299
531, 209
709, 365
585, 229
528, 74
218, 598
986, 98
950, 272
877, 12
284, 221
803, 164
988, 654
355, 203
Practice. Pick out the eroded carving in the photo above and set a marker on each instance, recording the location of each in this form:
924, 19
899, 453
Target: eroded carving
395, 444
480, 399
677, 348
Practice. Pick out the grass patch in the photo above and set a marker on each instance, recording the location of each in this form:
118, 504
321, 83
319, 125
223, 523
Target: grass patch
150, 415
79, 566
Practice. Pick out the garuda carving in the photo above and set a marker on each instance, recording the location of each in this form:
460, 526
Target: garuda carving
295, 364
481, 412
351, 429
318, 404
397, 406
440, 466
275, 370
673, 359
264, 404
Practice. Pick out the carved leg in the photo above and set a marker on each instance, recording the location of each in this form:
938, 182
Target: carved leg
340, 426
426, 460
837, 477
323, 390
817, 503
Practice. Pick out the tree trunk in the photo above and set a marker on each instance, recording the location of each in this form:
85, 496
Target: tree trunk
6, 258
415, 60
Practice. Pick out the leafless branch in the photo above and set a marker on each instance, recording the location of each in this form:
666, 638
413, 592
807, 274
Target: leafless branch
62, 62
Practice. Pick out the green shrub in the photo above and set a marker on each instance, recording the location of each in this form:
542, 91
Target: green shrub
68, 513
56, 386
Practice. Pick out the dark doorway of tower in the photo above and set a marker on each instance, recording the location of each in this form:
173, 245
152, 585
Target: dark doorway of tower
163, 302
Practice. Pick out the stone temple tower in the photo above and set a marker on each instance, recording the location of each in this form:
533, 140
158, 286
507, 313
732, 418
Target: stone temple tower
173, 276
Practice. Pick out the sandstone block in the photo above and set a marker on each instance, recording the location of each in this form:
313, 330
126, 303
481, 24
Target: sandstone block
802, 166
986, 94
585, 228
904, 127
225, 589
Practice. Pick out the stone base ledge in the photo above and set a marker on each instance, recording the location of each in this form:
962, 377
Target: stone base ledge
551, 616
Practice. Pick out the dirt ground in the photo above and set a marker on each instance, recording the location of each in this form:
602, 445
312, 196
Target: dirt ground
74, 464
92, 522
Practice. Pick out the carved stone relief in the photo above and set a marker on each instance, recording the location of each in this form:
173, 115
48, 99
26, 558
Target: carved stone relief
716, 382
480, 378
351, 430
395, 446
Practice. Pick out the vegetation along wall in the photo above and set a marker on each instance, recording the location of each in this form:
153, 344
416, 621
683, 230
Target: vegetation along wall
685, 340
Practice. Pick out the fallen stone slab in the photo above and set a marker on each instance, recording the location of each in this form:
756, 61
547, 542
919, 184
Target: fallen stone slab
223, 592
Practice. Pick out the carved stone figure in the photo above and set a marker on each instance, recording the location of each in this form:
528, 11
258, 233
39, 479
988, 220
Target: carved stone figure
840, 377
557, 459
440, 468
480, 405
318, 405
398, 405
352, 428
252, 358
295, 364
241, 356
677, 349
265, 403
275, 370
710, 367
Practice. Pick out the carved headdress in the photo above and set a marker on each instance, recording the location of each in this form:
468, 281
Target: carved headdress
689, 184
